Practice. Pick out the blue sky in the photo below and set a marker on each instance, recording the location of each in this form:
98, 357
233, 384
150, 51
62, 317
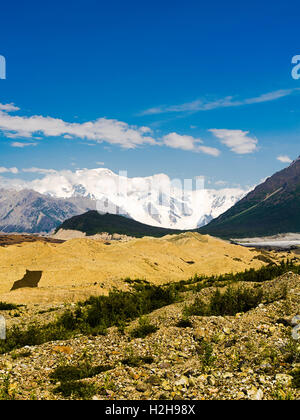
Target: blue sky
186, 88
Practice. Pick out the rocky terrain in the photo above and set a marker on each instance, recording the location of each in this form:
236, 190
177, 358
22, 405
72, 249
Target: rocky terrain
78, 268
246, 356
31, 212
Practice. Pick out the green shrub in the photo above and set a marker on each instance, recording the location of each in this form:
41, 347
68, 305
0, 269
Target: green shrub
143, 329
184, 322
21, 354
296, 378
206, 354
94, 316
68, 373
234, 300
6, 393
76, 389
7, 306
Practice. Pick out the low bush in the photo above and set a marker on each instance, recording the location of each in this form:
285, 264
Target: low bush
143, 329
76, 389
206, 354
184, 322
68, 373
296, 378
94, 316
8, 306
232, 301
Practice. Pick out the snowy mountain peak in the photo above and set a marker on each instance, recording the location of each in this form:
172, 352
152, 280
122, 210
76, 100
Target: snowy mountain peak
154, 200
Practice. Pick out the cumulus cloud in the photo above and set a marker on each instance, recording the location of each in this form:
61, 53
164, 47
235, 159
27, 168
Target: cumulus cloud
228, 101
8, 170
237, 141
100, 130
8, 107
116, 132
284, 159
188, 143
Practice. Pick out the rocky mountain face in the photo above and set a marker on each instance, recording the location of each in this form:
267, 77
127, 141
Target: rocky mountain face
154, 200
272, 207
31, 212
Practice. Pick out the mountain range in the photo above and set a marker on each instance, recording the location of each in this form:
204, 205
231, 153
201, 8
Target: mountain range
154, 201
31, 212
272, 207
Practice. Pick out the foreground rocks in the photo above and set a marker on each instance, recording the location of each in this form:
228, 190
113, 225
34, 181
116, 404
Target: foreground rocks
250, 356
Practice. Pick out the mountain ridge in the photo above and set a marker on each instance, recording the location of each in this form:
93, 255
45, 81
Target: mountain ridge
272, 207
154, 200
28, 211
93, 223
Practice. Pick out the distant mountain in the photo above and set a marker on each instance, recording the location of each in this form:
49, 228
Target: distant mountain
93, 223
31, 212
152, 200
272, 207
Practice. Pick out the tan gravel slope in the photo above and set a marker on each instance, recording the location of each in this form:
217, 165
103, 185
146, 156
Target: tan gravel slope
81, 267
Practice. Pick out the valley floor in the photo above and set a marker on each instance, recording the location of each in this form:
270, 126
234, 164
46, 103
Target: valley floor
78, 268
250, 355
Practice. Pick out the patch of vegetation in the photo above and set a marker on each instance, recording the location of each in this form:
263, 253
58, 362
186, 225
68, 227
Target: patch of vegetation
232, 301
7, 390
282, 393
136, 361
143, 329
263, 258
94, 316
133, 360
46, 311
296, 378
184, 322
69, 373
266, 273
206, 354
291, 352
21, 355
76, 389
8, 306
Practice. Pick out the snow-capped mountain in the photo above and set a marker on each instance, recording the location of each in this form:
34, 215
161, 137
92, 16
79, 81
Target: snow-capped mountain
154, 200
31, 212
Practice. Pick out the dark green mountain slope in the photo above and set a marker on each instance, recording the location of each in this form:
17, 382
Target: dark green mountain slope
272, 207
93, 222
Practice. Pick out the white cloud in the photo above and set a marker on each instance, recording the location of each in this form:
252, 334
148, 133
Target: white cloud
238, 141
177, 141
22, 145
39, 170
284, 159
228, 101
221, 183
8, 170
101, 130
8, 107
188, 143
